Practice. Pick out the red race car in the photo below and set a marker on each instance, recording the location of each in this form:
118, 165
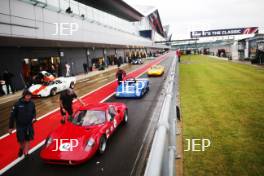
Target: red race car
77, 141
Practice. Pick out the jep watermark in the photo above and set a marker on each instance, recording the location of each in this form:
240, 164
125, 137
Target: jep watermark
197, 145
65, 145
131, 86
65, 29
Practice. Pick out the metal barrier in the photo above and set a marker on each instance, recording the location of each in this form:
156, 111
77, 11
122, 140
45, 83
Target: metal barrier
161, 161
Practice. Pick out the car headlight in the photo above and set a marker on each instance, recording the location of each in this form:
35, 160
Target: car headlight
138, 93
48, 141
90, 143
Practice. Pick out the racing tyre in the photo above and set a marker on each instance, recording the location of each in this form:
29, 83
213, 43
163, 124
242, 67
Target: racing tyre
102, 145
147, 88
53, 92
72, 85
125, 120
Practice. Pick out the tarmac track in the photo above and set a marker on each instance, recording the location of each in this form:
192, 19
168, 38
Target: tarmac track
122, 148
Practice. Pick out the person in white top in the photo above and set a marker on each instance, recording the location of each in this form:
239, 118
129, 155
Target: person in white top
68, 70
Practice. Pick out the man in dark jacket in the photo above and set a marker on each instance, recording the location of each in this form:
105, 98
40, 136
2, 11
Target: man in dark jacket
120, 75
1, 86
8, 81
66, 101
119, 61
23, 114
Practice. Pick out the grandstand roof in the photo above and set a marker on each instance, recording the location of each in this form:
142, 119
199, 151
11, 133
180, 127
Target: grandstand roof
118, 8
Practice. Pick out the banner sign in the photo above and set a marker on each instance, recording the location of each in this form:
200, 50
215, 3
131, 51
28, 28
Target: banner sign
223, 32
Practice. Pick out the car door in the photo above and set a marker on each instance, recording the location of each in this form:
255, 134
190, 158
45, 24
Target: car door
118, 115
64, 83
113, 119
109, 124
59, 85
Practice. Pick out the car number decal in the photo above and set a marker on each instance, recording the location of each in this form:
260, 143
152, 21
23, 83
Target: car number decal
65, 147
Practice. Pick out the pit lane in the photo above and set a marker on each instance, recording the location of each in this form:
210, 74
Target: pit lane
44, 105
122, 148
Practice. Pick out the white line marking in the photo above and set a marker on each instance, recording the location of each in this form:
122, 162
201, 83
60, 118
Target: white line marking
5, 135
107, 97
13, 163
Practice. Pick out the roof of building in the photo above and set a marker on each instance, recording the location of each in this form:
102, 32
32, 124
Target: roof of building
118, 8
153, 16
144, 9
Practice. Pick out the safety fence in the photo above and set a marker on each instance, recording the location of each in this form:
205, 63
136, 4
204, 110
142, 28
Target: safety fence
161, 161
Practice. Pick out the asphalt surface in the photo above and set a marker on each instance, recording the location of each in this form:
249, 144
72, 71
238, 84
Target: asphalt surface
122, 148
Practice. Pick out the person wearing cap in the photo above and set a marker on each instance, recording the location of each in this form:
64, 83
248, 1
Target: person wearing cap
66, 100
23, 114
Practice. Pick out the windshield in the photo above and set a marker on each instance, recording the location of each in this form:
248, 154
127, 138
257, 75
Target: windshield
47, 83
89, 118
131, 81
156, 67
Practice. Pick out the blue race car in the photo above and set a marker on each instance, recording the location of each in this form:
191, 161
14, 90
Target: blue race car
132, 88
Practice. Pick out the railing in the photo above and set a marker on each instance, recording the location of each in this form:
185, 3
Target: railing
161, 161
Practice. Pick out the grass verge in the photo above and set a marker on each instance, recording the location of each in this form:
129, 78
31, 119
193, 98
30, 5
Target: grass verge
224, 102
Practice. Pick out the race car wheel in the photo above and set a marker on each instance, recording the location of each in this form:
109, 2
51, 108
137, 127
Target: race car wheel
144, 91
72, 85
147, 88
53, 92
125, 117
102, 145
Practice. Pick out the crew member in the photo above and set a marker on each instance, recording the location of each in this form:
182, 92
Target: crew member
23, 114
178, 54
66, 100
120, 75
2, 82
8, 81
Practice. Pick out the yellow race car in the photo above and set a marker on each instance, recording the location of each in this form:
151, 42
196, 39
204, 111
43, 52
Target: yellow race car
156, 70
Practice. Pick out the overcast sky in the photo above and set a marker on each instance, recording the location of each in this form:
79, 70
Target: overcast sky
184, 16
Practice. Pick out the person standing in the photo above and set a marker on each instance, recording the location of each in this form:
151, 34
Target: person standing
23, 114
66, 101
2, 82
119, 62
7, 76
85, 68
68, 70
120, 75
178, 54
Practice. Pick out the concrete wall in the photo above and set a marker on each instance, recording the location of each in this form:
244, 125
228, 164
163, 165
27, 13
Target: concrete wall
75, 57
22, 19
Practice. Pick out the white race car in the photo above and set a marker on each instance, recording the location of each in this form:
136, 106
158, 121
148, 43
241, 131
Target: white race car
53, 87
137, 61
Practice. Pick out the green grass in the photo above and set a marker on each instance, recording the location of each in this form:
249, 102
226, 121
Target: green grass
224, 102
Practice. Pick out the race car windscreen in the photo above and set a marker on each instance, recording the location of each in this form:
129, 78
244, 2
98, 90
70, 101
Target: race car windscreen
89, 118
131, 81
155, 67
